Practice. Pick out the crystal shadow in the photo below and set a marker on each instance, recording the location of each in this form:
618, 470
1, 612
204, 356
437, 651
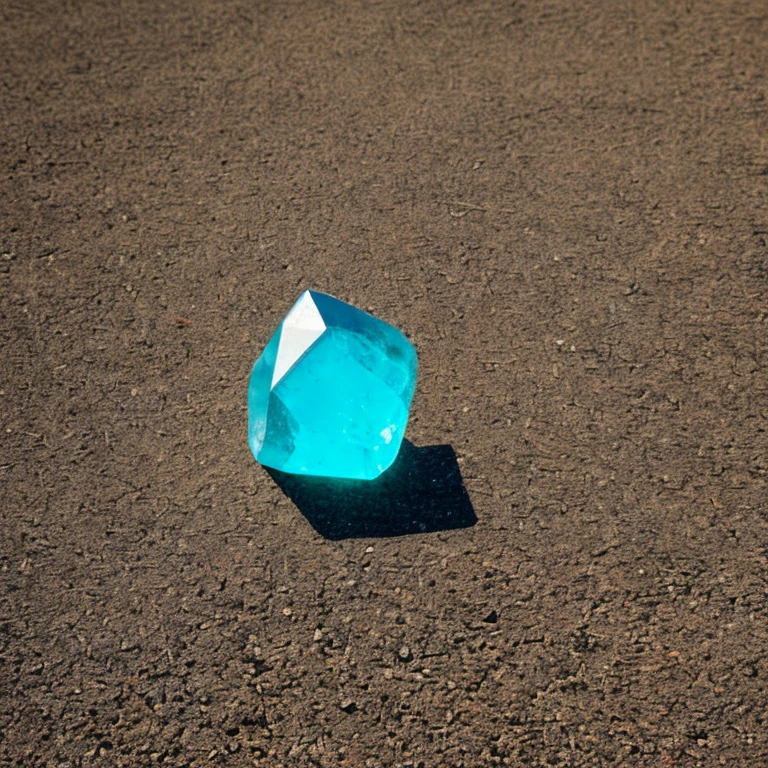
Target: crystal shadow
422, 492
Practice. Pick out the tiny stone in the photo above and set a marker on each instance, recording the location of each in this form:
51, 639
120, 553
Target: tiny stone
405, 653
348, 706
318, 636
287, 611
331, 392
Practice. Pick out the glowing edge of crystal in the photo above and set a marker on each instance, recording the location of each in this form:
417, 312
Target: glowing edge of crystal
302, 327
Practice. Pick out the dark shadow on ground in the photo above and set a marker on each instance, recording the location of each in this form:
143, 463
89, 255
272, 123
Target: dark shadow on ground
421, 492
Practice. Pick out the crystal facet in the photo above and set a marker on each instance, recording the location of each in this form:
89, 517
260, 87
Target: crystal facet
330, 393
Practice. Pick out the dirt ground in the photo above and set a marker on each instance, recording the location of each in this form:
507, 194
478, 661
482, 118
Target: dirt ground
564, 205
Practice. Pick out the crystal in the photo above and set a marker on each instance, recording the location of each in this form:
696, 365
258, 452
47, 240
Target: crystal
330, 394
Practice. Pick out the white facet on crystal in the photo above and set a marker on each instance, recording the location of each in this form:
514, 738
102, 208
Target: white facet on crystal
302, 327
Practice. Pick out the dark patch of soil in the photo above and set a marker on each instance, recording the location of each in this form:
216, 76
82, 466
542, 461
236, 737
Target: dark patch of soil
563, 204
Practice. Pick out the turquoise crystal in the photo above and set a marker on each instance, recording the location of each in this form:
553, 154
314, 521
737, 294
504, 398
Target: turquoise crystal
330, 393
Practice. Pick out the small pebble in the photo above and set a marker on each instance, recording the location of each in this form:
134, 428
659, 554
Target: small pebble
405, 653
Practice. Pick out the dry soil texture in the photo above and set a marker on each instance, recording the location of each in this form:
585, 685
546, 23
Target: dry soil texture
564, 205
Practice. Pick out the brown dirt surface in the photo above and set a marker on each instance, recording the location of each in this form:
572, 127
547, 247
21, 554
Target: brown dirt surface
564, 205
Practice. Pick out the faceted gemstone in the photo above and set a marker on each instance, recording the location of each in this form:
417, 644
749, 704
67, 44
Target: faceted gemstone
330, 393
